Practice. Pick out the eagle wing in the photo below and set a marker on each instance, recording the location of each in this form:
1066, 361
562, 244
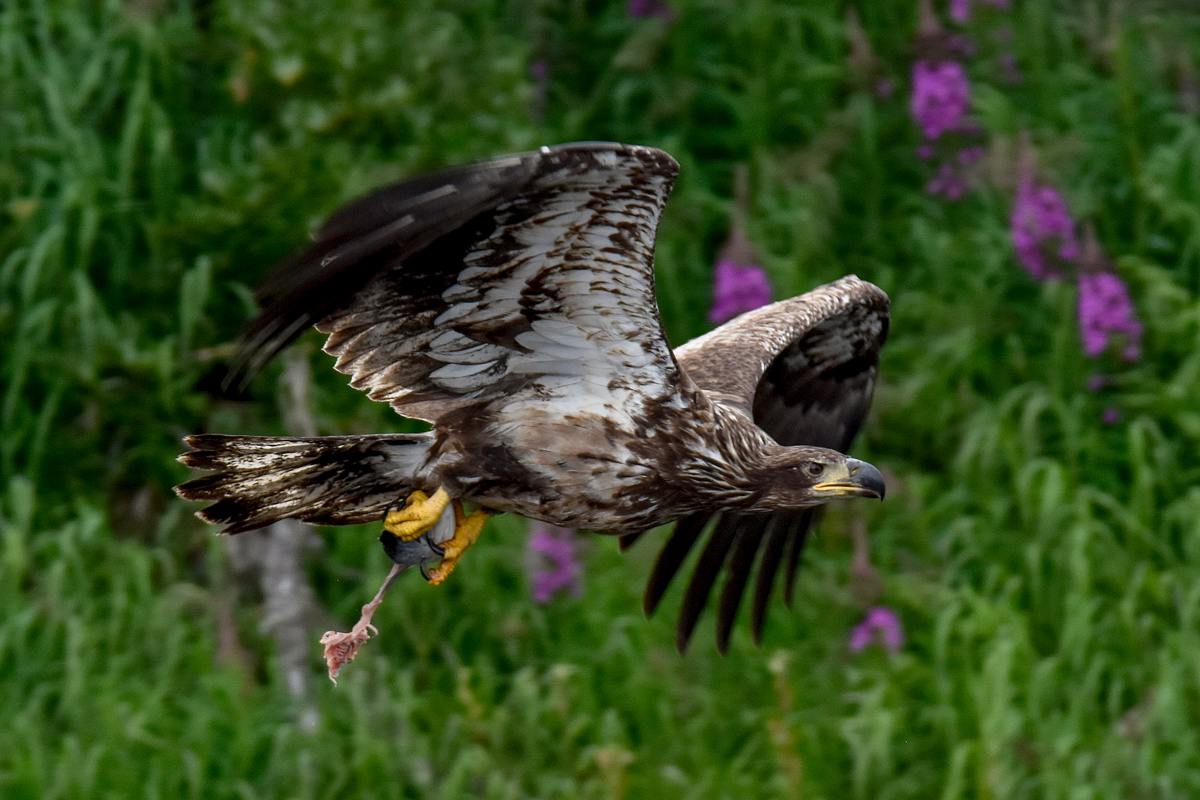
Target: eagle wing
526, 275
804, 369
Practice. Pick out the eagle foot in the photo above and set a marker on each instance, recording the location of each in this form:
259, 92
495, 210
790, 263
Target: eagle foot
466, 533
420, 513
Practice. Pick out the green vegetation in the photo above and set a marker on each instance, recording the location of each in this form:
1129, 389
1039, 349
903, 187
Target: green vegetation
156, 157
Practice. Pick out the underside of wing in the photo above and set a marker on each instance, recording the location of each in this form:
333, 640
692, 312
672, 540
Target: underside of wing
381, 229
530, 275
805, 369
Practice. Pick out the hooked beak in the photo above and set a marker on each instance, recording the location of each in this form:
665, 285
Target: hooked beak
853, 479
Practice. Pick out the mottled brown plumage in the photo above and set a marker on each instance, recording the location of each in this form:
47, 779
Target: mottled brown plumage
511, 304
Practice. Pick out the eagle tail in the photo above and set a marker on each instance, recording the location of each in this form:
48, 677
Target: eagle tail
324, 480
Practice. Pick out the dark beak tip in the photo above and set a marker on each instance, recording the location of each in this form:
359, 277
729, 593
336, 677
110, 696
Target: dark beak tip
869, 477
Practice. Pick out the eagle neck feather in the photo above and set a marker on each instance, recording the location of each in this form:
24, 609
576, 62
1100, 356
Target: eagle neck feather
726, 457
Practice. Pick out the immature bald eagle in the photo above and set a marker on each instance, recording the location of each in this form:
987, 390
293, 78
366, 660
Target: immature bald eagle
511, 304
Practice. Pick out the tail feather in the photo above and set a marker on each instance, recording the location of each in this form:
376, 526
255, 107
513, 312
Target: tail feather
325, 480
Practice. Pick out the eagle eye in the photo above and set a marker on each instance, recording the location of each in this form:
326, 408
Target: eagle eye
813, 469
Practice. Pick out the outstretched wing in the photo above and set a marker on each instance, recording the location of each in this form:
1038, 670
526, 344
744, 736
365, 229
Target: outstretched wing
524, 275
805, 370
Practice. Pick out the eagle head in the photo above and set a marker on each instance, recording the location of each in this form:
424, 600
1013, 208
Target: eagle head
795, 478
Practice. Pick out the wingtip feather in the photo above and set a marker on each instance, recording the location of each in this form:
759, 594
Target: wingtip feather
670, 558
704, 575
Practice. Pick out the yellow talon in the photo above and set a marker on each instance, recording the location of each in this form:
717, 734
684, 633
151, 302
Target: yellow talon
466, 533
420, 513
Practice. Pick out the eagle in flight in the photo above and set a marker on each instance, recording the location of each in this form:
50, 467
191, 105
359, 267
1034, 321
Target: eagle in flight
510, 303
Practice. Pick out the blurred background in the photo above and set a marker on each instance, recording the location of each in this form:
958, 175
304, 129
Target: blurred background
1020, 618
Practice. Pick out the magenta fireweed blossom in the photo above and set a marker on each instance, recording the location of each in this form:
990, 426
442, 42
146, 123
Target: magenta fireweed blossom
882, 626
948, 182
739, 283
554, 566
940, 96
737, 288
1105, 308
1040, 221
953, 178
1104, 304
969, 155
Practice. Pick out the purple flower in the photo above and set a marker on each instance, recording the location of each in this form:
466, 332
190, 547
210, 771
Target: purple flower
969, 155
646, 9
1096, 382
1105, 308
941, 95
554, 566
737, 288
948, 182
954, 175
1040, 221
882, 626
739, 283
1111, 416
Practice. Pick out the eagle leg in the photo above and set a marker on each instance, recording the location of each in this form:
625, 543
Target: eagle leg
420, 513
466, 533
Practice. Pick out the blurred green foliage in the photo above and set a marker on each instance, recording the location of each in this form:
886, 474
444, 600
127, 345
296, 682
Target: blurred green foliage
156, 157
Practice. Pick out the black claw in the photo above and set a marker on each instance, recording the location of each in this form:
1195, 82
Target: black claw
415, 553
